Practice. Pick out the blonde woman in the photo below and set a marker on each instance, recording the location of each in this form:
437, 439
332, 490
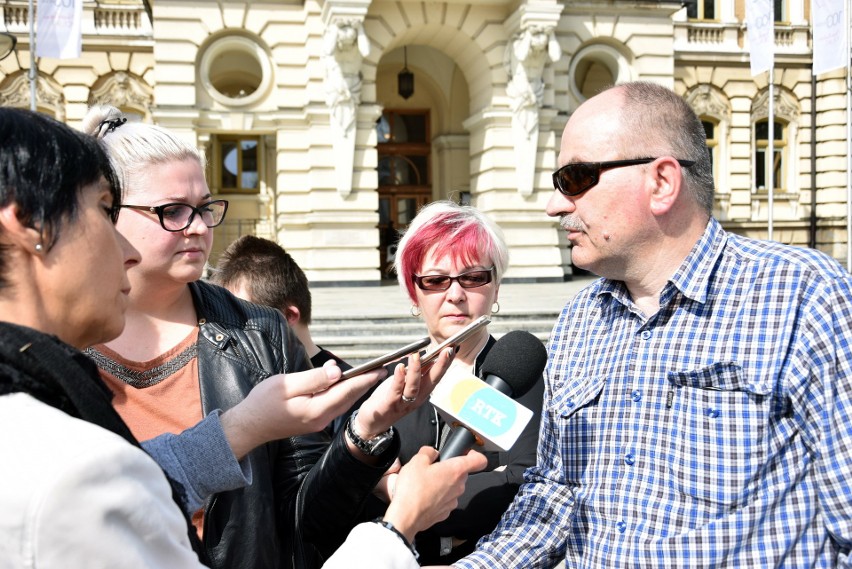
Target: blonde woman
190, 348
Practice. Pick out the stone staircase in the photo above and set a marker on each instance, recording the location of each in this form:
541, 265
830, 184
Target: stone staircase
359, 338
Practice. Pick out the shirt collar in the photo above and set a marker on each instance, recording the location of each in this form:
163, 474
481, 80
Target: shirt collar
692, 278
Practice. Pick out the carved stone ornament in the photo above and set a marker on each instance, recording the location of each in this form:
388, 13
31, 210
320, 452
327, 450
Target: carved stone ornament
15, 92
786, 106
708, 101
122, 89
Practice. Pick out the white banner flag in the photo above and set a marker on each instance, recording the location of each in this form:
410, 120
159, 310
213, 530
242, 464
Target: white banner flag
760, 20
59, 32
831, 42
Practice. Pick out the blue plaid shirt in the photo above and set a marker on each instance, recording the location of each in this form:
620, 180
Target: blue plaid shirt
717, 432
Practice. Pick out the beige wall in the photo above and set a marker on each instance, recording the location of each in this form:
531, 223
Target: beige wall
457, 52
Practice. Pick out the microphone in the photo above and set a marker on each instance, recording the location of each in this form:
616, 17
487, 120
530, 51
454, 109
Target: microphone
486, 411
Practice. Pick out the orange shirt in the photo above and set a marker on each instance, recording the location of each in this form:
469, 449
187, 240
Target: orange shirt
158, 396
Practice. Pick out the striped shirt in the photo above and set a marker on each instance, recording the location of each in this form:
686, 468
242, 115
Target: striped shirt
715, 433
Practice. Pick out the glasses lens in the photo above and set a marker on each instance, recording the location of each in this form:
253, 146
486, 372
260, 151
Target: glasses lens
474, 279
574, 179
213, 213
434, 282
176, 216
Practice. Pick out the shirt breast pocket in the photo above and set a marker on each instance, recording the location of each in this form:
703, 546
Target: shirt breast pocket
578, 416
718, 434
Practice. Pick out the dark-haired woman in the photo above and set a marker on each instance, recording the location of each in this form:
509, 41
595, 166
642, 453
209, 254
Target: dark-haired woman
77, 490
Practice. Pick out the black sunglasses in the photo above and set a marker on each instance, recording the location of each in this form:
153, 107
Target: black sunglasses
470, 279
179, 216
575, 178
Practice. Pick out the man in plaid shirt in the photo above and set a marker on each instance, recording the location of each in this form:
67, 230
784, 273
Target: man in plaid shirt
698, 409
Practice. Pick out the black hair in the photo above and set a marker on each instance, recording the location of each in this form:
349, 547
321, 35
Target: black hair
43, 166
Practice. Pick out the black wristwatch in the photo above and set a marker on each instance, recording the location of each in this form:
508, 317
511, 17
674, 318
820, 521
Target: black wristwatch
373, 446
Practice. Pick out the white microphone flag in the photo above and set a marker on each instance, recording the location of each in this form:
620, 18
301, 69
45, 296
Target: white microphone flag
760, 20
59, 29
831, 38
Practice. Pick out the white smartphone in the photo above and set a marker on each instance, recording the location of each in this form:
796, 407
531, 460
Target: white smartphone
456, 338
386, 358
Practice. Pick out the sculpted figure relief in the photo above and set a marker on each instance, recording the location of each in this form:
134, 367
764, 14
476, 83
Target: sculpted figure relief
344, 46
525, 58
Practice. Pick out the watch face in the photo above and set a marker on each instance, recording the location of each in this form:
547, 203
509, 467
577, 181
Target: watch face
380, 444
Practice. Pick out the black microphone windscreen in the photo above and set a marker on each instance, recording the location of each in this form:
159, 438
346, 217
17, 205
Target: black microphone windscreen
518, 358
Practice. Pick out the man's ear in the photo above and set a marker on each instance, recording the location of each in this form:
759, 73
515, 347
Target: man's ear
15, 232
667, 184
292, 314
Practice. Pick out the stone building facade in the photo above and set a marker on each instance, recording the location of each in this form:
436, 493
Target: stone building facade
297, 106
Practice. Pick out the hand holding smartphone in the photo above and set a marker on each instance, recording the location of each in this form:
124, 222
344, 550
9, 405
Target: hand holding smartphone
452, 341
456, 338
386, 358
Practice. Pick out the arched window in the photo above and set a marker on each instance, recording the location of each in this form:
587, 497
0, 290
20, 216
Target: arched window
764, 162
783, 158
711, 131
714, 109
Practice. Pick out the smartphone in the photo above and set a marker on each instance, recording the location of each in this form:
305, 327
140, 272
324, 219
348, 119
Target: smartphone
456, 338
387, 358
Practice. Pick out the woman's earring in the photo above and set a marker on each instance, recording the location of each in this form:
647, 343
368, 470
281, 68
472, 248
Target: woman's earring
495, 308
39, 247
415, 311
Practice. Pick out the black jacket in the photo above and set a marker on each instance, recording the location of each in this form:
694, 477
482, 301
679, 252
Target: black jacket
487, 494
307, 492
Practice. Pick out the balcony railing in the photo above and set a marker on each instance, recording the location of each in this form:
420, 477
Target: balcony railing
99, 18
720, 38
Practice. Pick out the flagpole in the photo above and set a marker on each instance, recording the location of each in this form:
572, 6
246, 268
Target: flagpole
848, 140
32, 72
771, 147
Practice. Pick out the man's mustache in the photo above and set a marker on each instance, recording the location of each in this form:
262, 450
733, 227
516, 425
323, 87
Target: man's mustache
571, 223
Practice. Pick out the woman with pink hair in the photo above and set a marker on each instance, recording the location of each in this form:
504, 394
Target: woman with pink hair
450, 262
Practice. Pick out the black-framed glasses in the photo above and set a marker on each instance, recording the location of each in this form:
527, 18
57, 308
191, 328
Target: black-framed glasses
575, 178
469, 279
179, 216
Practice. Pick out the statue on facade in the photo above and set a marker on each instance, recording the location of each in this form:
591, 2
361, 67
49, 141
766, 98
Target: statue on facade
344, 46
525, 57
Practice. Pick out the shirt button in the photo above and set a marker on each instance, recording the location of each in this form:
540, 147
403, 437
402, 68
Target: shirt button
646, 334
570, 403
712, 413
219, 337
636, 395
622, 526
629, 459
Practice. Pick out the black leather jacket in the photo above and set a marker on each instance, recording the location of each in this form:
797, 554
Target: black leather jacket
487, 494
307, 492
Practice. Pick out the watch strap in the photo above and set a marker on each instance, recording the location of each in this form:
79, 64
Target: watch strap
367, 446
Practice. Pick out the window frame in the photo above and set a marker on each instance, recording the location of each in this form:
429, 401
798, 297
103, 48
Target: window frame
780, 150
217, 164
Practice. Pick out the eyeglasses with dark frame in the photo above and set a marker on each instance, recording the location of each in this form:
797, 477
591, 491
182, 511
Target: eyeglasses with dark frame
469, 279
178, 216
577, 177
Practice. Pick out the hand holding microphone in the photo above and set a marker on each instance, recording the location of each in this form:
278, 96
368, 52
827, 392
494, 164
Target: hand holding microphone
486, 410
